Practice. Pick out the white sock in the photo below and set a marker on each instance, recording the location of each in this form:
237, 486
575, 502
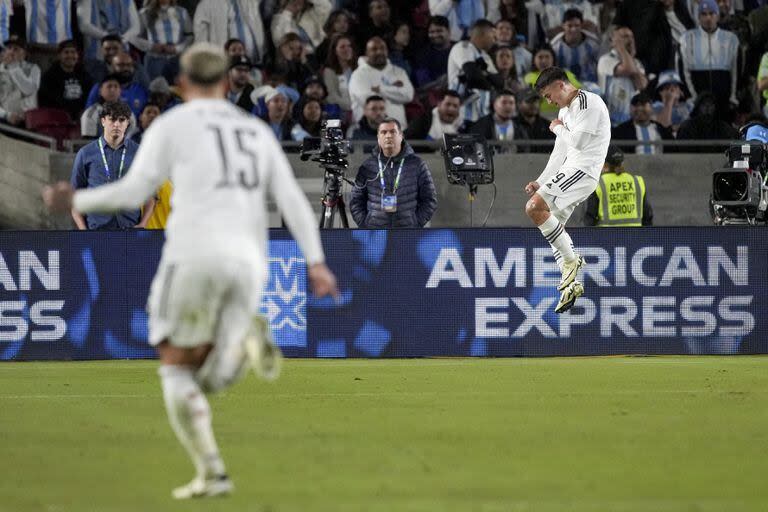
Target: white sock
190, 418
558, 238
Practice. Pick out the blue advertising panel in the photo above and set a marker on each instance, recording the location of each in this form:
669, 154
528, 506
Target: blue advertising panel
412, 293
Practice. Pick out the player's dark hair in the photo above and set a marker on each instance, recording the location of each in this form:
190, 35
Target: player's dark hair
115, 109
550, 76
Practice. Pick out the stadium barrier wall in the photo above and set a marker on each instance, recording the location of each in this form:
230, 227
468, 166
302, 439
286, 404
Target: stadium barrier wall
412, 293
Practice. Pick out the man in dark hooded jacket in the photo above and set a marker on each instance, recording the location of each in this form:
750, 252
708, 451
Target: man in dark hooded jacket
393, 188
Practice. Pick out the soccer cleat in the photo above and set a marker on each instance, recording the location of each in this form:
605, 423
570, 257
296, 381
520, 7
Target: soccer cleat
204, 487
568, 297
265, 357
569, 272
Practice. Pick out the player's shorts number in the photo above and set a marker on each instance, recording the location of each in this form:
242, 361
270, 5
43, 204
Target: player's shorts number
244, 139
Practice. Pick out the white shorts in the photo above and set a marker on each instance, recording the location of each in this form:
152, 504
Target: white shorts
564, 191
192, 303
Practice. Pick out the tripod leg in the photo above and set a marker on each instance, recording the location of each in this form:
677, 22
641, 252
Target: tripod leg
332, 217
323, 213
343, 214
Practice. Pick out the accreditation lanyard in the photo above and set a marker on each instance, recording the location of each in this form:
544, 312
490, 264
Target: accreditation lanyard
106, 165
397, 178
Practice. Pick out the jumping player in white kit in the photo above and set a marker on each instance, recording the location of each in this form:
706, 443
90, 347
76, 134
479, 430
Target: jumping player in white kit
204, 302
583, 130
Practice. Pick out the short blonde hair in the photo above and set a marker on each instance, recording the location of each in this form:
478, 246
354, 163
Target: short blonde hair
204, 64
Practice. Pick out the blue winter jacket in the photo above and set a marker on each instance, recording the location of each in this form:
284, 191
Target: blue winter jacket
416, 197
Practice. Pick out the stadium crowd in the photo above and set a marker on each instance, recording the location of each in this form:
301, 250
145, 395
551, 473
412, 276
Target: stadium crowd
686, 69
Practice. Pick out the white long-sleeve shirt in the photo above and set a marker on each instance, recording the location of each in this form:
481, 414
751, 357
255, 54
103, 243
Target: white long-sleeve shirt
222, 162
19, 83
479, 103
395, 97
308, 24
98, 18
217, 21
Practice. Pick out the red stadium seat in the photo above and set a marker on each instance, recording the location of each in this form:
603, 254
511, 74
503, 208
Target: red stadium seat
52, 122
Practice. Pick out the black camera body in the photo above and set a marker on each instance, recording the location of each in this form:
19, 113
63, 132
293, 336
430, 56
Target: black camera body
330, 150
468, 159
739, 190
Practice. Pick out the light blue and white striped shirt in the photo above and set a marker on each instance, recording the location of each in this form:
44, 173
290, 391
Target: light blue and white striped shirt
647, 133
617, 90
581, 60
172, 26
240, 27
704, 51
49, 22
98, 18
6, 9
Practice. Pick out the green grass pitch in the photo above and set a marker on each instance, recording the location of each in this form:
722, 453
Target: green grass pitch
563, 434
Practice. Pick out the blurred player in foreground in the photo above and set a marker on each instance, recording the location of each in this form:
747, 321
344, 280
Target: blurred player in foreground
204, 300
583, 133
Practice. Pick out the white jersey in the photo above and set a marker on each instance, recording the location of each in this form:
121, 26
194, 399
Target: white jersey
582, 142
222, 162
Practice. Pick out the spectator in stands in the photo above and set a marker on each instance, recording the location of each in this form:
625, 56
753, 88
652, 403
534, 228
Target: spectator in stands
504, 59
19, 82
551, 12
341, 62
641, 127
471, 71
672, 108
308, 120
501, 124
104, 161
133, 92
109, 92
161, 95
544, 58
394, 188
431, 63
399, 51
148, 114
529, 120
709, 57
278, 115
65, 84
462, 14
517, 14
218, 21
99, 18
629, 207
48, 24
376, 75
291, 61
379, 22
506, 35
339, 23
166, 31
620, 75
315, 89
235, 48
444, 118
6, 11
735, 22
706, 123
367, 127
303, 18
577, 49
239, 88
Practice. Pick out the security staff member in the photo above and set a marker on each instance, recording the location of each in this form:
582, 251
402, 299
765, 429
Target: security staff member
620, 200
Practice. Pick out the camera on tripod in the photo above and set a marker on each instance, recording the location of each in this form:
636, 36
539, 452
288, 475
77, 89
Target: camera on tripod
740, 190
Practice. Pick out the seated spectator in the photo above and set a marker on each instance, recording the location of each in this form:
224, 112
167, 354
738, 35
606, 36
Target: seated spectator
339, 23
291, 61
100, 18
315, 89
65, 84
506, 36
399, 51
108, 92
501, 124
367, 127
706, 123
218, 21
341, 62
19, 82
577, 49
132, 92
100, 67
620, 75
672, 109
466, 74
379, 22
161, 95
166, 31
236, 48
462, 14
48, 24
550, 13
104, 161
148, 114
278, 114
308, 120
709, 57
239, 88
444, 118
641, 127
516, 13
504, 59
303, 18
431, 63
528, 118
376, 75
544, 58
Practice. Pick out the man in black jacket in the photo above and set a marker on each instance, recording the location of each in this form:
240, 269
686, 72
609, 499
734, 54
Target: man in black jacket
394, 187
501, 124
239, 87
641, 128
65, 84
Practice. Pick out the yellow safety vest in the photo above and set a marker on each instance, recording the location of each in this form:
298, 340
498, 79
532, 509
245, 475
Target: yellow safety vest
621, 200
162, 207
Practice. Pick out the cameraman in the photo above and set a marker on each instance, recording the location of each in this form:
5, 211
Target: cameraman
471, 71
394, 187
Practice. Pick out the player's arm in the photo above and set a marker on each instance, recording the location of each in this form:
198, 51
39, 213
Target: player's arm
581, 130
